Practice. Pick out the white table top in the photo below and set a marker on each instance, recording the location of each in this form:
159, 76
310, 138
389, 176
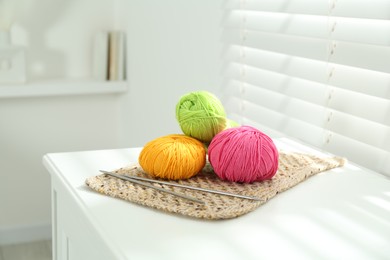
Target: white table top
340, 214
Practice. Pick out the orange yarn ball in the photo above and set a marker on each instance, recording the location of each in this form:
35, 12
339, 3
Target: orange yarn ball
173, 157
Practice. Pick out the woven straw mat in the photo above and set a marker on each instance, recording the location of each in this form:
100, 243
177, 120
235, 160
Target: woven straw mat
293, 169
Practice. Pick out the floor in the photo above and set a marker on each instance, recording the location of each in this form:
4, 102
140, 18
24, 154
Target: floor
39, 250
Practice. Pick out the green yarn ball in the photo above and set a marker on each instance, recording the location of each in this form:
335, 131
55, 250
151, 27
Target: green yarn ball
201, 115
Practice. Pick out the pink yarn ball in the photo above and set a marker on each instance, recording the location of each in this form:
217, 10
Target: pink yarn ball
243, 154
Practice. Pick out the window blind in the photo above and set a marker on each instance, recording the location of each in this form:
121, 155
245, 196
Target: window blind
318, 71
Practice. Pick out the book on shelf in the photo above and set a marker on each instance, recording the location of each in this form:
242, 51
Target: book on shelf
117, 54
109, 56
100, 56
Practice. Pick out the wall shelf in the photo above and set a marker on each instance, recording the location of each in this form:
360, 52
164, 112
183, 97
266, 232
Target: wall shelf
62, 88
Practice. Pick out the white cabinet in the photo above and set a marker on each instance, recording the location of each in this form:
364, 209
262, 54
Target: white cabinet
74, 237
339, 214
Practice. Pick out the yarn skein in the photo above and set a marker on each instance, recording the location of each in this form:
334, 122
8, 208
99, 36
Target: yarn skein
243, 154
173, 157
201, 115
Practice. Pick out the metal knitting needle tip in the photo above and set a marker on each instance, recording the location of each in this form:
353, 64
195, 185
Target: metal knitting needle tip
191, 187
126, 178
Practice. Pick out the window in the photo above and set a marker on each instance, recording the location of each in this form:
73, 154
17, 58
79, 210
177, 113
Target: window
317, 71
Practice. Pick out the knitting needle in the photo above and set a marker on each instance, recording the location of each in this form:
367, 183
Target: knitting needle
190, 187
153, 187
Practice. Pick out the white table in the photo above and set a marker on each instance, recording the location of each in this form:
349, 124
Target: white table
340, 214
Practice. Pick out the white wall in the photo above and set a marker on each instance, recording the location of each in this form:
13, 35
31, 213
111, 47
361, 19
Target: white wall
173, 47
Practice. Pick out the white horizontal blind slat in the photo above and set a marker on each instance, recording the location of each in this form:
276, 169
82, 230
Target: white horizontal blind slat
286, 6
281, 23
362, 56
372, 9
311, 48
364, 106
369, 82
365, 31
357, 128
360, 153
